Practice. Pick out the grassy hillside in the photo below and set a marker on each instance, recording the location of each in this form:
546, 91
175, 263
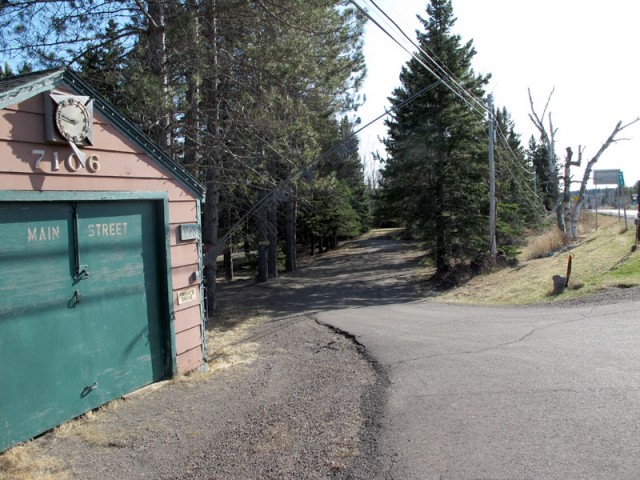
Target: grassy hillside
600, 259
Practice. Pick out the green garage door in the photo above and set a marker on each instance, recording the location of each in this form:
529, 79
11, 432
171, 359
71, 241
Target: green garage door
80, 310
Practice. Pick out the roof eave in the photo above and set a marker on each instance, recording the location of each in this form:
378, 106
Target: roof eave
54, 78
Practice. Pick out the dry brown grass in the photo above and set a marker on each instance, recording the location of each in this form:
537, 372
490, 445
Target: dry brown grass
552, 239
541, 245
228, 346
382, 233
26, 462
87, 426
594, 256
80, 426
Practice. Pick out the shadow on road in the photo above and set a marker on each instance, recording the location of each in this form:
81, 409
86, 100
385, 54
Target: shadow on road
365, 272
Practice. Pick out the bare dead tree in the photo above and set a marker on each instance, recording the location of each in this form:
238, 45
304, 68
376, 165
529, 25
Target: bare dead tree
566, 191
548, 140
577, 207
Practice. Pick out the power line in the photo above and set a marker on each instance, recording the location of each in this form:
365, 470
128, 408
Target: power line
436, 62
444, 75
307, 170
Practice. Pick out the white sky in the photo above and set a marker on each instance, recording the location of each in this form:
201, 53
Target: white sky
588, 50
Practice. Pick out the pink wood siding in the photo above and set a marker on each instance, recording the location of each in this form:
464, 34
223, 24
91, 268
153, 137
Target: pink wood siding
122, 168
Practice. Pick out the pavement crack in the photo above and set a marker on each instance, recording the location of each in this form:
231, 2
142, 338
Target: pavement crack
575, 391
491, 347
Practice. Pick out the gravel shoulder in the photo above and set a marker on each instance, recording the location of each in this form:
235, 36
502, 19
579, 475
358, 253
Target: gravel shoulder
293, 412
285, 397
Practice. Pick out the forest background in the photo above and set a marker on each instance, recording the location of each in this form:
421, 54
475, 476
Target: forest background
256, 100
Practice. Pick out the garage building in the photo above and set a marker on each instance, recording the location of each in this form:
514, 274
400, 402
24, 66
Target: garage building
100, 256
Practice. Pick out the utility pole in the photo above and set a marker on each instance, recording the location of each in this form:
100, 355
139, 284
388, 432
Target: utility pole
492, 184
637, 221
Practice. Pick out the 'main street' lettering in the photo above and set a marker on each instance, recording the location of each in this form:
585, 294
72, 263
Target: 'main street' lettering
43, 234
118, 229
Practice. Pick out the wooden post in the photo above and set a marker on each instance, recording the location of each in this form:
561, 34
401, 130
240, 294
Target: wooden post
492, 185
637, 221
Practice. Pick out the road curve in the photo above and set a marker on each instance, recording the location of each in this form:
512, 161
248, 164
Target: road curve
505, 393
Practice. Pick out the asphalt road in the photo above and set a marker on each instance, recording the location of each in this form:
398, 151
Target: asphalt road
505, 393
632, 212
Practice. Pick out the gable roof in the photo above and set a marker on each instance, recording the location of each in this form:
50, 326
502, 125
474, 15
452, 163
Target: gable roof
22, 87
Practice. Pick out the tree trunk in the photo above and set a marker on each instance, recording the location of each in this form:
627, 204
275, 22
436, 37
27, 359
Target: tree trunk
575, 216
272, 221
246, 246
192, 141
548, 139
210, 230
158, 64
228, 263
290, 248
442, 264
211, 214
559, 216
566, 191
263, 241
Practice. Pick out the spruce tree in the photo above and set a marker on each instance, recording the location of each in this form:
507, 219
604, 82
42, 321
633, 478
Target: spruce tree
518, 207
547, 182
434, 180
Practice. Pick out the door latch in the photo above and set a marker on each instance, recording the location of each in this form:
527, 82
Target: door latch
88, 388
82, 272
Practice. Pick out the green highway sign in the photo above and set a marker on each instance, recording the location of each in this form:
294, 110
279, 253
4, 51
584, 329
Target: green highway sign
608, 177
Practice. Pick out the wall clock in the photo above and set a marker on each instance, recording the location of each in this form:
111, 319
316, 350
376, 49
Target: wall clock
73, 120
68, 118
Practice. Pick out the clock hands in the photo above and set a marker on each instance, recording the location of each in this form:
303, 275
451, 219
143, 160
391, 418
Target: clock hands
79, 153
73, 119
68, 119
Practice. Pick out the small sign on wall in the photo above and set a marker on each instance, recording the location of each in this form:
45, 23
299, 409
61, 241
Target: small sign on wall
189, 231
189, 295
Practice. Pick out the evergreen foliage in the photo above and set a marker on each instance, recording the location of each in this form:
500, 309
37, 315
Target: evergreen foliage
245, 94
518, 207
434, 181
547, 182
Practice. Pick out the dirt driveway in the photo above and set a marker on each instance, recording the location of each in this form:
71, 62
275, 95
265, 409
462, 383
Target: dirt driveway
285, 397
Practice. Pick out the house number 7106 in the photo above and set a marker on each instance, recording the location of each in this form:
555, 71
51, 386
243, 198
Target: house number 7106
72, 163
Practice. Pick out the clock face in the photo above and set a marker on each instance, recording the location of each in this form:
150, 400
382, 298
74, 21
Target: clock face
73, 120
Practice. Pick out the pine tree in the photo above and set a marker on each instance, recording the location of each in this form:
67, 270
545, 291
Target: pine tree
547, 182
103, 66
241, 92
517, 202
434, 181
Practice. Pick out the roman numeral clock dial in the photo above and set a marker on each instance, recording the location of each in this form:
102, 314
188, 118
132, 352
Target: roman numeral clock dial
73, 120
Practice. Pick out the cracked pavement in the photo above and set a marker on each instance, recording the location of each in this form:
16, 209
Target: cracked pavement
477, 393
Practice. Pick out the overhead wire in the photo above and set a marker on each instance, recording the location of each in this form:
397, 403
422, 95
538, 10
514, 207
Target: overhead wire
308, 169
439, 70
436, 70
435, 61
